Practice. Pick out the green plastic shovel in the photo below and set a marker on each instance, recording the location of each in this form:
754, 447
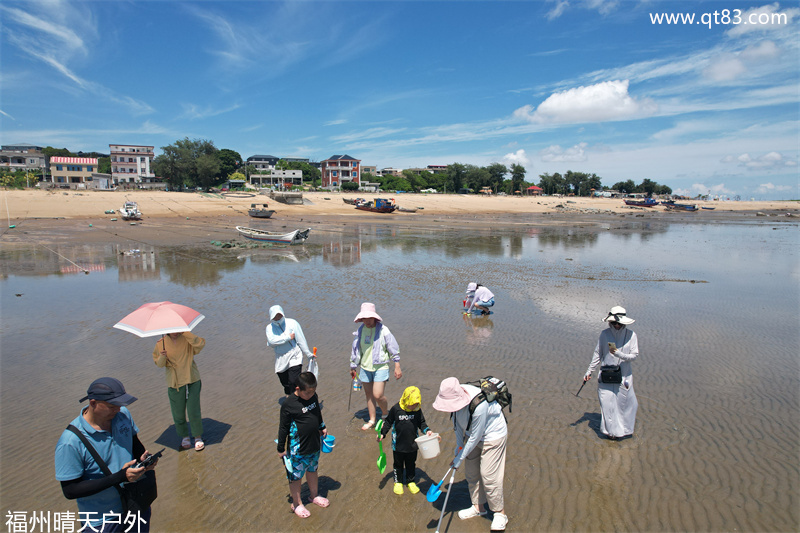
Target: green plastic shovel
382, 457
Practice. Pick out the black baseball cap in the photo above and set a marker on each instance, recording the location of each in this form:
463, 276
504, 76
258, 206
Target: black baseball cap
108, 390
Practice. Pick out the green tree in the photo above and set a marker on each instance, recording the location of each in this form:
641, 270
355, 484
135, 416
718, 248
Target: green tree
455, 175
626, 187
349, 186
178, 163
497, 175
104, 165
229, 162
517, 177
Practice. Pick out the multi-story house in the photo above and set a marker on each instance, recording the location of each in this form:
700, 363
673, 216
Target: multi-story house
22, 157
365, 169
131, 163
261, 163
277, 178
339, 169
72, 172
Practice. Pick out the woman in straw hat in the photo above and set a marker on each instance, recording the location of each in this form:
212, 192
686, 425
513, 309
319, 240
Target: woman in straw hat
481, 440
374, 347
617, 345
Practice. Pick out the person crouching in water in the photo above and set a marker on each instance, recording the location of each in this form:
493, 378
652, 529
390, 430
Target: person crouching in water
405, 419
301, 424
478, 297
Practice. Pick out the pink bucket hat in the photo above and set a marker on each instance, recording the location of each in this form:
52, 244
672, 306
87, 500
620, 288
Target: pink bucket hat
451, 397
367, 311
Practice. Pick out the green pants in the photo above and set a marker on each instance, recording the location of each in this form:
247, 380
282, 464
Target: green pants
180, 405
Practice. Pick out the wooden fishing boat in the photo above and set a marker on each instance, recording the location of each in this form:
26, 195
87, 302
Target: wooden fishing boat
680, 207
380, 205
260, 212
130, 211
353, 201
293, 237
645, 202
406, 209
709, 208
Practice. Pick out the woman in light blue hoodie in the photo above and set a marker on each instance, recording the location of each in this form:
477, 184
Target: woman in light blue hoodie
286, 337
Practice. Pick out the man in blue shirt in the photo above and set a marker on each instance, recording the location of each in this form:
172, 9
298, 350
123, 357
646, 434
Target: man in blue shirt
108, 426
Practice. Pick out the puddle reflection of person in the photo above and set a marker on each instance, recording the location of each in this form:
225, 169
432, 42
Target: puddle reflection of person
480, 328
373, 348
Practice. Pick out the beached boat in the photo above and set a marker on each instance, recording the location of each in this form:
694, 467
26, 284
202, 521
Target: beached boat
645, 202
353, 201
680, 207
380, 205
406, 209
293, 237
260, 212
130, 211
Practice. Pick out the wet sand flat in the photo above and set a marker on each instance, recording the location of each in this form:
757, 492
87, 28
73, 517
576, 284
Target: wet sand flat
715, 303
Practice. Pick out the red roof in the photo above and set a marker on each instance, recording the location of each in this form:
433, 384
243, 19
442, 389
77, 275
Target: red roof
74, 160
535, 188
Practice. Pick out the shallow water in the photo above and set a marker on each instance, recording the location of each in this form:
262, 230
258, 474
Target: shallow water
716, 306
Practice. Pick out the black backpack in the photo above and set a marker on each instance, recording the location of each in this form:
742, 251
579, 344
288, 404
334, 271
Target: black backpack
492, 390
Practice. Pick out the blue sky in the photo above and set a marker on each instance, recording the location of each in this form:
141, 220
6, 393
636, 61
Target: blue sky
582, 85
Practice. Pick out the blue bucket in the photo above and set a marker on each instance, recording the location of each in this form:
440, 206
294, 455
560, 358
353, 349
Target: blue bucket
328, 443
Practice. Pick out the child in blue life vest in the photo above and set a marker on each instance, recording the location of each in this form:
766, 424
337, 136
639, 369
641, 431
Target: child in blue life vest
302, 426
405, 419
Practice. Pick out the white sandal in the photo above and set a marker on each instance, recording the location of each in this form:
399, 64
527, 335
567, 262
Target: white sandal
199, 444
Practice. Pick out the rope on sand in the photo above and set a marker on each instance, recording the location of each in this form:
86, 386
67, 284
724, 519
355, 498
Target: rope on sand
85, 271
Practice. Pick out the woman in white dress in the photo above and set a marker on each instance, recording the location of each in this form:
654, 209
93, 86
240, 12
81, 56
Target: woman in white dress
617, 345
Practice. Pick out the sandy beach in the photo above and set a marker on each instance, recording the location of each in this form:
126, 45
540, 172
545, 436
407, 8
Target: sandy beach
714, 295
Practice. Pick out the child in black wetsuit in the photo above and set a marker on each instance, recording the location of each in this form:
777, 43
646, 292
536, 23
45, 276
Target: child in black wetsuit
405, 419
301, 424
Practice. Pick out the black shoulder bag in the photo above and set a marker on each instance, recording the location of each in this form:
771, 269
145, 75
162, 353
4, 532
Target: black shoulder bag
611, 374
137, 496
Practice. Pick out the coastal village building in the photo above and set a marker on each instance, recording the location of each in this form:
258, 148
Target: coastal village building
72, 172
131, 163
277, 179
22, 157
256, 163
365, 169
338, 169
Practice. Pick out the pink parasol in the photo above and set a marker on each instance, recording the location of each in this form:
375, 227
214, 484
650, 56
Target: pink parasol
160, 318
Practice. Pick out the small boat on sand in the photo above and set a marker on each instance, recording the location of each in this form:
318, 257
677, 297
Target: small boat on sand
680, 207
380, 205
260, 212
293, 237
353, 201
645, 202
130, 211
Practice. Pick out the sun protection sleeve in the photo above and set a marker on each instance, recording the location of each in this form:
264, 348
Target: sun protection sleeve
299, 337
137, 447
77, 488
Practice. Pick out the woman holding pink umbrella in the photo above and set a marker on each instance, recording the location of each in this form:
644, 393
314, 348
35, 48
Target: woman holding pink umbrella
175, 354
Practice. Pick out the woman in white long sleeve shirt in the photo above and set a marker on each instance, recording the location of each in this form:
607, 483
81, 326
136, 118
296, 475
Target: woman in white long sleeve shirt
479, 297
286, 337
617, 345
481, 445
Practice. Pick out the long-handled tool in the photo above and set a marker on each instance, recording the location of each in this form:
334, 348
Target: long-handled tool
582, 384
434, 491
450, 486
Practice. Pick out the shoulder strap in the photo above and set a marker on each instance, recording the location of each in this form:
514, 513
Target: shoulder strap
96, 456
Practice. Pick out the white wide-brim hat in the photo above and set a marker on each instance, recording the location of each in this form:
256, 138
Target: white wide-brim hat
452, 396
367, 311
618, 314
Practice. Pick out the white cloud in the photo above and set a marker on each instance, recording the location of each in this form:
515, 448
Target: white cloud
764, 18
701, 188
765, 188
606, 101
516, 158
768, 161
729, 66
192, 111
555, 153
725, 68
558, 9
604, 7
335, 122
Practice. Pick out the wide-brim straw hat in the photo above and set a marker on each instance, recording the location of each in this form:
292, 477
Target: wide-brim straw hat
618, 314
367, 311
452, 396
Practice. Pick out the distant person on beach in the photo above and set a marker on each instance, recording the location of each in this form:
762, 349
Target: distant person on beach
616, 347
286, 337
405, 421
108, 426
478, 297
175, 354
373, 348
301, 426
481, 437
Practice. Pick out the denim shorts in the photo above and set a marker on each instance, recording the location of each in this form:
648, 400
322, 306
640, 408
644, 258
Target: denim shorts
381, 374
302, 464
486, 304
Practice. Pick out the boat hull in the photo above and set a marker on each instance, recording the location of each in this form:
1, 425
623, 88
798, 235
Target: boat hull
293, 237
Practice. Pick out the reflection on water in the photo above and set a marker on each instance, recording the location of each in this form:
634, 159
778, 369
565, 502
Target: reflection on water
717, 377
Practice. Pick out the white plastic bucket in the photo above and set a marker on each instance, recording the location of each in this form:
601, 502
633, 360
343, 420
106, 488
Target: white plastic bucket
428, 446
